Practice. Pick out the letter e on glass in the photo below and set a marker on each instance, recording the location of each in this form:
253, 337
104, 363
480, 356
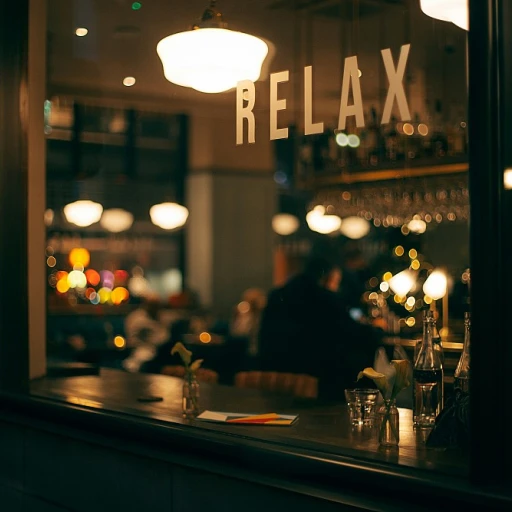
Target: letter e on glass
277, 104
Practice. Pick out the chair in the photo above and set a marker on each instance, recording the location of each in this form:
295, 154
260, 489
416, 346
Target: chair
299, 385
202, 374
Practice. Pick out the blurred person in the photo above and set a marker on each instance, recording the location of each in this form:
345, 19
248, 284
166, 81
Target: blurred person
245, 324
305, 328
145, 333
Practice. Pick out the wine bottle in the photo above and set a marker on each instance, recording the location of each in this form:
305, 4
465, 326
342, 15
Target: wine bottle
463, 367
428, 377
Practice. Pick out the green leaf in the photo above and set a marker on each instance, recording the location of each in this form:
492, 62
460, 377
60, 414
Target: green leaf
402, 376
195, 365
380, 380
186, 355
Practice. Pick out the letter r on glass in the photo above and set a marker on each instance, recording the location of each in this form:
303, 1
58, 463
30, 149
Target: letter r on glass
245, 111
396, 86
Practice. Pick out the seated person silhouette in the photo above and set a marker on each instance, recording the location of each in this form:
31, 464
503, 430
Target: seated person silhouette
305, 328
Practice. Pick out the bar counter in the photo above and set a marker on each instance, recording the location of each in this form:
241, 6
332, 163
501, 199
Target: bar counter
320, 457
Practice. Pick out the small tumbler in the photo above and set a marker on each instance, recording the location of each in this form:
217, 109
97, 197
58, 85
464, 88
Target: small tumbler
361, 405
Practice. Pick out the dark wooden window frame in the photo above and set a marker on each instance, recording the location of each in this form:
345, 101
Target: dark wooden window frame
490, 127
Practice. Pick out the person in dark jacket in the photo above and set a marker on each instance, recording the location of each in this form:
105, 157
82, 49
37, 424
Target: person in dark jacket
305, 328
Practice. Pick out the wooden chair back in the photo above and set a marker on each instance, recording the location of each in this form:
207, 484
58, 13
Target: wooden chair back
300, 385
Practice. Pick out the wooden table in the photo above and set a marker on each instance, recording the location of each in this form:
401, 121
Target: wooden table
323, 427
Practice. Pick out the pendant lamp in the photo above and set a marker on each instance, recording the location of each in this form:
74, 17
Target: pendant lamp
321, 223
285, 224
209, 57
116, 220
168, 215
83, 213
455, 11
355, 227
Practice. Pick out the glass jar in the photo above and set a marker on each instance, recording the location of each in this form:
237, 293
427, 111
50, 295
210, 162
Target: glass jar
190, 396
388, 425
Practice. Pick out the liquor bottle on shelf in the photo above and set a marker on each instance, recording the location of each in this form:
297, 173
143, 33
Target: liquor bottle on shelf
374, 140
414, 142
391, 139
463, 367
439, 140
428, 377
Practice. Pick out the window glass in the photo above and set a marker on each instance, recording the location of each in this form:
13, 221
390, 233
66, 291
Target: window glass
274, 202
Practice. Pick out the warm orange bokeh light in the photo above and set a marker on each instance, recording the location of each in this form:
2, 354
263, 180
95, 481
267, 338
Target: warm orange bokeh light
62, 285
93, 277
119, 295
119, 342
205, 337
79, 256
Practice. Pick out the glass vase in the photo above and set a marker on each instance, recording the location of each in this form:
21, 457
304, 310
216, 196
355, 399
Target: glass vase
388, 424
190, 396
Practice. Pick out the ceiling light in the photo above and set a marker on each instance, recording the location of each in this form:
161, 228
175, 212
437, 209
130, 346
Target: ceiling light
129, 81
455, 11
168, 215
210, 58
355, 227
83, 213
285, 224
116, 220
321, 223
81, 31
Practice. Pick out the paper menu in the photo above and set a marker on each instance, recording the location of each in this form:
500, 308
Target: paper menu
248, 419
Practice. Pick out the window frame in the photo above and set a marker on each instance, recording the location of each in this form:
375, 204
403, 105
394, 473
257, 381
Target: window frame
490, 115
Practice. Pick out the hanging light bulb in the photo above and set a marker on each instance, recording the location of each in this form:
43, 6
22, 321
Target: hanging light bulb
455, 11
116, 220
83, 213
285, 224
168, 215
210, 58
355, 227
436, 285
321, 223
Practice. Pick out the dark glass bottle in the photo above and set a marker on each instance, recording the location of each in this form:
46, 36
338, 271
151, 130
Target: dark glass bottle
374, 140
463, 367
428, 378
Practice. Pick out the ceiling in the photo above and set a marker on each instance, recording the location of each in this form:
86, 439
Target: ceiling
122, 42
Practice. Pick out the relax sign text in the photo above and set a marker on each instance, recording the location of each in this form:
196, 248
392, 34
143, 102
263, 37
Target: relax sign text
246, 97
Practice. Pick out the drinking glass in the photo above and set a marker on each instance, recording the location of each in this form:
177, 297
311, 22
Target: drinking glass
361, 405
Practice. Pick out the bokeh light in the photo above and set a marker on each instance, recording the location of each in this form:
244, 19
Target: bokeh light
79, 256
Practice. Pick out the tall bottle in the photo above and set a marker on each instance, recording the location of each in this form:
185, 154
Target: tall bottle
462, 371
428, 378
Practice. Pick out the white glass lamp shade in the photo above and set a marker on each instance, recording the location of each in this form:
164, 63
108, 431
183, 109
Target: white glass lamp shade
355, 227
285, 224
116, 220
83, 213
211, 60
436, 285
455, 11
403, 282
168, 215
321, 223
